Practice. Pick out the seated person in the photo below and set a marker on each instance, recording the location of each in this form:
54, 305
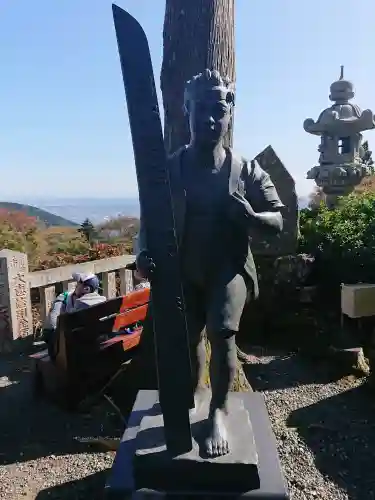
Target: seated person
141, 282
83, 296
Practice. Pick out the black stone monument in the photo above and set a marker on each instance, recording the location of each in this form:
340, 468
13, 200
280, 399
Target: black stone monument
161, 451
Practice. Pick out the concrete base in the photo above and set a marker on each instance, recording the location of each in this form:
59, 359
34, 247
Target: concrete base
122, 480
236, 472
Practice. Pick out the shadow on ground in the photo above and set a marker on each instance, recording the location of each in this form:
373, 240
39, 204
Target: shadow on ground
288, 370
32, 429
90, 488
340, 431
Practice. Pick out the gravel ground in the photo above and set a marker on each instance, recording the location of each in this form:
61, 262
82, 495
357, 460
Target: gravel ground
44, 451
324, 427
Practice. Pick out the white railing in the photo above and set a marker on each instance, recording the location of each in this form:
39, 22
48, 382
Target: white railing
16, 283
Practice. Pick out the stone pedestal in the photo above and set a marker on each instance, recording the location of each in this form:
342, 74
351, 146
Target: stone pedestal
15, 304
236, 472
252, 470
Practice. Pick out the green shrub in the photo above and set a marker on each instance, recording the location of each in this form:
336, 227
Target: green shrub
342, 239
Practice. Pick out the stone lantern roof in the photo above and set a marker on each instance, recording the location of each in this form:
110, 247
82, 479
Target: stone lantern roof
342, 118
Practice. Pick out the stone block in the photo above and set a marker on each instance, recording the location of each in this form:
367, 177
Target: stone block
109, 285
121, 482
126, 281
284, 243
15, 303
68, 286
236, 472
47, 297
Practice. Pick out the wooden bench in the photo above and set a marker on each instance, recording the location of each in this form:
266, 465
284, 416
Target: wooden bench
90, 348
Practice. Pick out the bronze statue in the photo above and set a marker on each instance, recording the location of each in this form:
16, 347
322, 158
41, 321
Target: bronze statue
218, 200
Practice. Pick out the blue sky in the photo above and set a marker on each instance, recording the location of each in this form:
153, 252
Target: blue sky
63, 123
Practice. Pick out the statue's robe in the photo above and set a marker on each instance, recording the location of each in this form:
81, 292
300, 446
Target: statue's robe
248, 179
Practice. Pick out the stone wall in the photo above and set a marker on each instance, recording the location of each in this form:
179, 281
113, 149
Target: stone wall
286, 304
281, 272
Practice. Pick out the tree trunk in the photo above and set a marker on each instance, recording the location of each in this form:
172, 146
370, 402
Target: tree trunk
198, 34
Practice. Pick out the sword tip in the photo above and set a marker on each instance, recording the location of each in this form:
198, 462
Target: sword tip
117, 11
126, 23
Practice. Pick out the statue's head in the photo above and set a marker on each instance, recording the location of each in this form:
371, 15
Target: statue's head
208, 102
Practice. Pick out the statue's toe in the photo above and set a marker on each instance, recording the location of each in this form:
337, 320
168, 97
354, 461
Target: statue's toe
209, 449
223, 448
216, 447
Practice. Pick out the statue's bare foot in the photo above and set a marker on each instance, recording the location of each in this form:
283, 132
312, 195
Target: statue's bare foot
216, 442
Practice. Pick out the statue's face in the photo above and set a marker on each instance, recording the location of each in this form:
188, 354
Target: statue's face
210, 117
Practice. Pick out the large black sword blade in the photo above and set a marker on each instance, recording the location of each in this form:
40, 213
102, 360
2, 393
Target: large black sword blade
171, 335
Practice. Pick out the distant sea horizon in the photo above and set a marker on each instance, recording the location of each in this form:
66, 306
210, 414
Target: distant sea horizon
96, 209
78, 209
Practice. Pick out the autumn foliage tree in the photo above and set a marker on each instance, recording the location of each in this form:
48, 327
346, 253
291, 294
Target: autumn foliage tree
49, 247
20, 232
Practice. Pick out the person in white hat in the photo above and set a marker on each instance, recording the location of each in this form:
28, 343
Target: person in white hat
85, 294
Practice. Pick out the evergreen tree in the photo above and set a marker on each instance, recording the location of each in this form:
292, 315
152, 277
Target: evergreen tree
87, 229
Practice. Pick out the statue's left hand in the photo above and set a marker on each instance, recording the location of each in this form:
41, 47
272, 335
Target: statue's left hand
240, 208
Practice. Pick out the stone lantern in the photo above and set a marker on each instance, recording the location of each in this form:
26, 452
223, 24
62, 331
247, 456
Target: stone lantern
344, 160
